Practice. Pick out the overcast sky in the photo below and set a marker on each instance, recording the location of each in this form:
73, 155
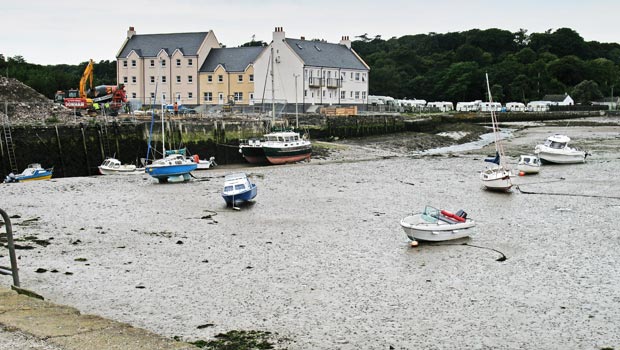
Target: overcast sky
69, 31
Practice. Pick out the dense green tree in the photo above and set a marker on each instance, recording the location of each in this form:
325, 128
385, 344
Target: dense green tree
586, 91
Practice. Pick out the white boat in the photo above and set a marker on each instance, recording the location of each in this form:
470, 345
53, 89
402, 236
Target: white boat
113, 166
496, 177
556, 150
437, 225
528, 164
203, 164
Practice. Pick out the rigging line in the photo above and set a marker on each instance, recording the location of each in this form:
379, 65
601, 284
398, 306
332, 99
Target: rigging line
501, 258
568, 194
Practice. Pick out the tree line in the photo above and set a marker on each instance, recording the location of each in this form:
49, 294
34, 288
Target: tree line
435, 67
47, 79
521, 66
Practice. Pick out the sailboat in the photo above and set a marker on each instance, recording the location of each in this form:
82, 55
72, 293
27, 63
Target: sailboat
175, 166
497, 176
277, 147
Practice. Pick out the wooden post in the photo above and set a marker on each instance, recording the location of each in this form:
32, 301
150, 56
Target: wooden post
85, 149
62, 161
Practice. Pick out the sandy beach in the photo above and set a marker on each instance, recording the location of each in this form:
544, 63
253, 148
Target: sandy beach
320, 259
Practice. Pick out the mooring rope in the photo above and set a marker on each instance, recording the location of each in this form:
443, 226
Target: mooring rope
500, 259
567, 194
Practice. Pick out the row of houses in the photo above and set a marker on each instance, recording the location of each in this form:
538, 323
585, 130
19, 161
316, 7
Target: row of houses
194, 69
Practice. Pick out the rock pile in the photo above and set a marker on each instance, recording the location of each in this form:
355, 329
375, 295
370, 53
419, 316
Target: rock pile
24, 105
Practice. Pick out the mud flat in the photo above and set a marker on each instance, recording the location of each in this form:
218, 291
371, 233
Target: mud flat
320, 258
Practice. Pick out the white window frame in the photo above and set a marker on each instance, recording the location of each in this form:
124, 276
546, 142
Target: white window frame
190, 79
124, 63
210, 78
152, 79
207, 96
190, 95
178, 78
190, 62
240, 78
134, 63
163, 78
178, 62
134, 80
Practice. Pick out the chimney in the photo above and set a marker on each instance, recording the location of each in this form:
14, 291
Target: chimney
278, 34
346, 41
131, 32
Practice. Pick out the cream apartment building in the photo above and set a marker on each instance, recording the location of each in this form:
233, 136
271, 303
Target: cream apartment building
163, 68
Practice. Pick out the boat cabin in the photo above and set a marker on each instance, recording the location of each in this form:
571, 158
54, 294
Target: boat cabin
111, 163
282, 137
236, 183
557, 141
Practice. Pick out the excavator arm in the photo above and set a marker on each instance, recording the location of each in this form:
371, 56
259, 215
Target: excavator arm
87, 75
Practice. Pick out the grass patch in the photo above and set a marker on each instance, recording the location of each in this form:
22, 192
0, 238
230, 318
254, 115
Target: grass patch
237, 340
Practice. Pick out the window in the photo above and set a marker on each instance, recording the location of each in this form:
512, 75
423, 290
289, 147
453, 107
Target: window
323, 93
357, 95
363, 76
178, 97
207, 96
240, 78
209, 78
190, 95
238, 96
351, 92
125, 80
190, 79
363, 95
133, 80
251, 77
152, 79
152, 95
220, 78
163, 97
163, 63
133, 63
178, 78
163, 78
152, 63
124, 63
343, 94
357, 76
133, 95
351, 75
305, 93
190, 62
178, 62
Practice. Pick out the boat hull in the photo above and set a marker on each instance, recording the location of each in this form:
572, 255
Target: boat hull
528, 169
562, 158
283, 155
496, 179
253, 155
165, 172
233, 199
42, 176
419, 230
130, 170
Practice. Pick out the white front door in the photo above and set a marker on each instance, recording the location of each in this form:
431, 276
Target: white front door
220, 98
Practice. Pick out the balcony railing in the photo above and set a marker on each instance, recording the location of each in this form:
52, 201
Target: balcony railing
334, 83
315, 82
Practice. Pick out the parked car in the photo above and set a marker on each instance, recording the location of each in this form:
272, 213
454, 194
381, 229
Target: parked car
185, 110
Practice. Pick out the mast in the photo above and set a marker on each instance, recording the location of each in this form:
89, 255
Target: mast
498, 146
273, 92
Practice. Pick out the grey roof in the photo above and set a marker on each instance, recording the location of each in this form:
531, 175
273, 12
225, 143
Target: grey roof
149, 45
322, 54
554, 98
234, 59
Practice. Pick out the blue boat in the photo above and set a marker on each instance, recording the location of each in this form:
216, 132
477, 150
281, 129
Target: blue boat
33, 172
173, 168
238, 189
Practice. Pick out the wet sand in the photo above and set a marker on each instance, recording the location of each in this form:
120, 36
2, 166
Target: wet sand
320, 258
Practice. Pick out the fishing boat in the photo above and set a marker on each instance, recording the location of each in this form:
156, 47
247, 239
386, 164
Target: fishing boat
113, 166
238, 189
33, 172
252, 151
528, 164
497, 176
437, 225
286, 147
556, 150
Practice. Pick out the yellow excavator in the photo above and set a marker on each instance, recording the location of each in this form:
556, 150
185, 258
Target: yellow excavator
95, 99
